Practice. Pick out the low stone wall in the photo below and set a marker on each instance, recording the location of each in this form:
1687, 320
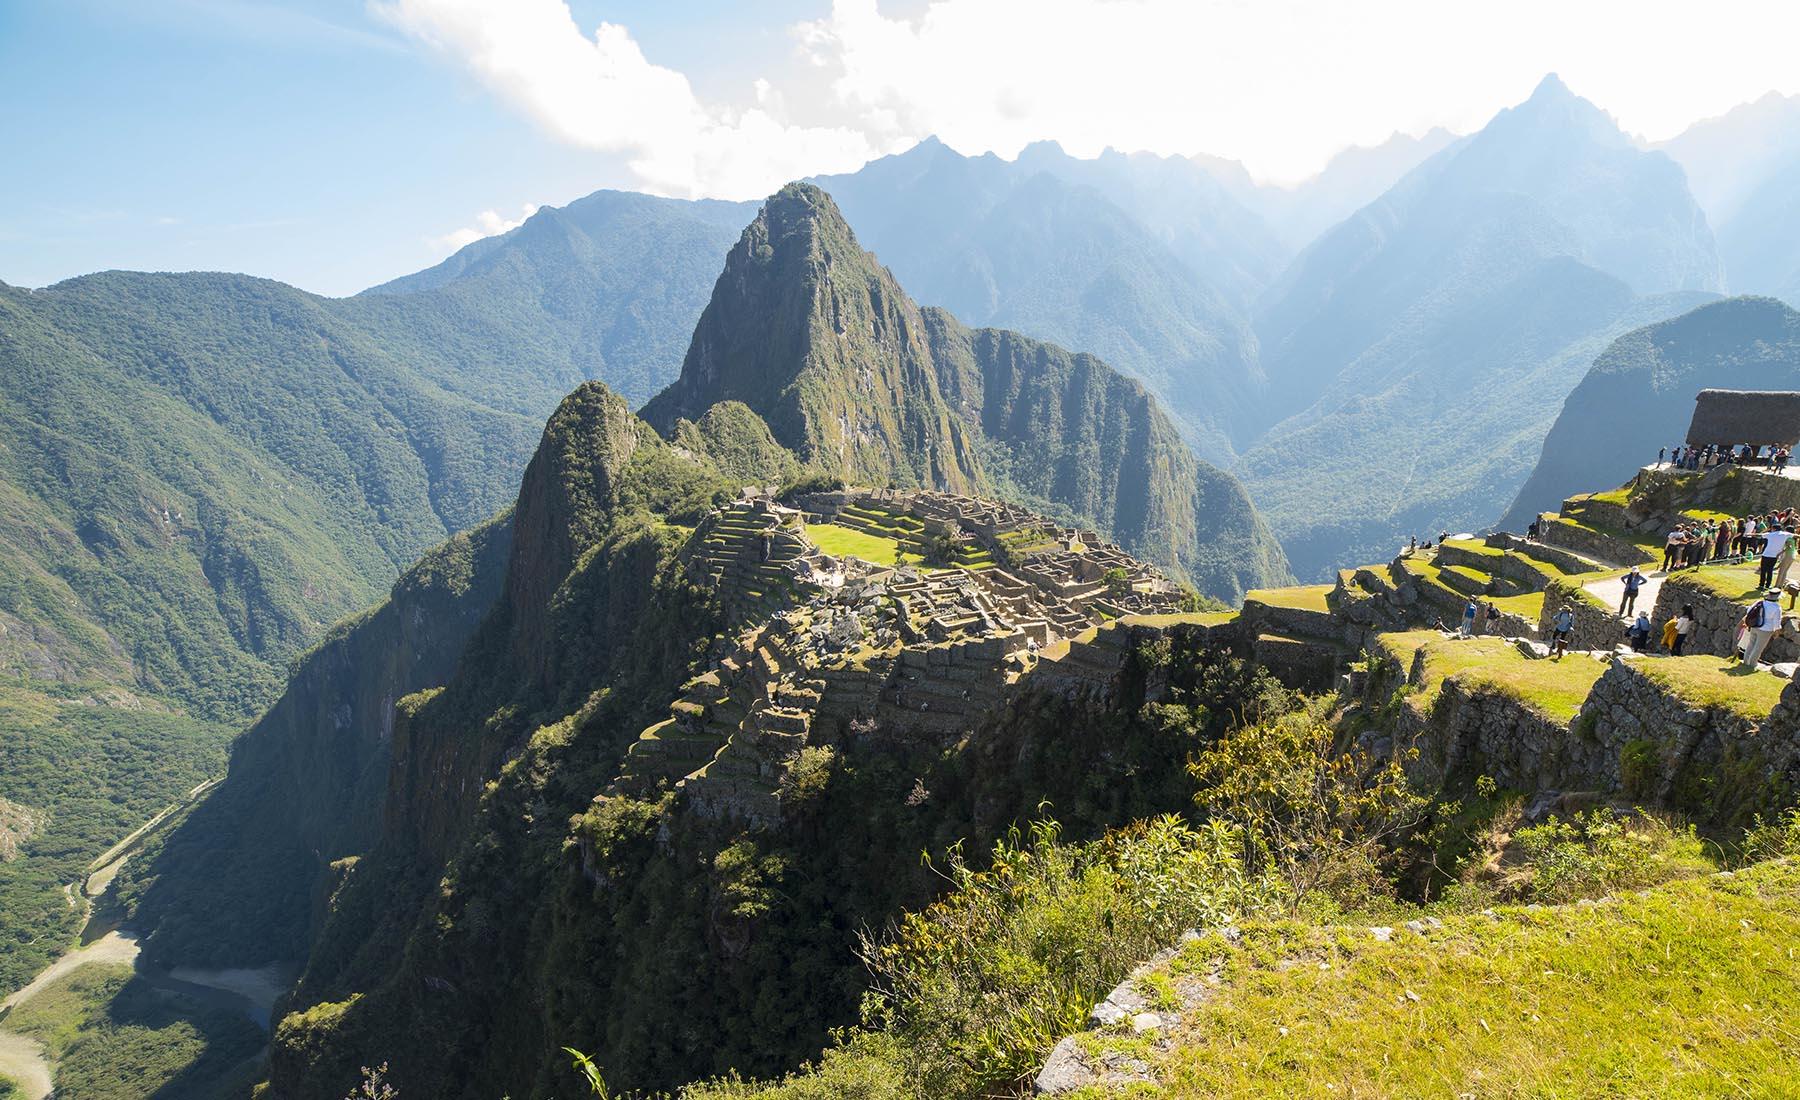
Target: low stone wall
1677, 749
1484, 732
1724, 488
1595, 627
1716, 620
1589, 543
1566, 560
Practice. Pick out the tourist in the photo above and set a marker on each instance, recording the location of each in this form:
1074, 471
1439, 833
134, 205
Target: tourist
1639, 632
1660, 453
1684, 625
1762, 621
1493, 618
1668, 636
1786, 560
1672, 548
1634, 580
1722, 544
1470, 611
1561, 628
1771, 552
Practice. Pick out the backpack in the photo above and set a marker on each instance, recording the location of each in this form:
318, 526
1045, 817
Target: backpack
1754, 619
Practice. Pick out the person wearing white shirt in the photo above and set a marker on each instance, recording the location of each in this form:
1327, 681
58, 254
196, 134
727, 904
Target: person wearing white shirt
1773, 541
1762, 621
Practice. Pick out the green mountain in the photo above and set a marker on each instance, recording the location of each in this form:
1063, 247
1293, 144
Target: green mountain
204, 472
1143, 262
1639, 394
607, 287
1417, 352
807, 330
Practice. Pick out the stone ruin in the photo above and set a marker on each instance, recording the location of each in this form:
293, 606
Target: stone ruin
829, 647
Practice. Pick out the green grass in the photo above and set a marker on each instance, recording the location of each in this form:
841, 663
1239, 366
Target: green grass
1734, 582
840, 541
1309, 597
1707, 681
1473, 546
113, 1036
1529, 605
1552, 688
1685, 991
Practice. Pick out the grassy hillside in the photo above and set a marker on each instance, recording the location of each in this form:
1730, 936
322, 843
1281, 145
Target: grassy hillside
1683, 990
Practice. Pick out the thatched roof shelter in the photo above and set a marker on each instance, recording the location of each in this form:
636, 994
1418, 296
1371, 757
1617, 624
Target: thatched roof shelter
1761, 417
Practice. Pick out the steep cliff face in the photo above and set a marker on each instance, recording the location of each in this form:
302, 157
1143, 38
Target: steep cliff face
1064, 430
808, 330
810, 333
234, 884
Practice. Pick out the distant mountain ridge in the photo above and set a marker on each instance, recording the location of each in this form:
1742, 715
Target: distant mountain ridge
1417, 351
809, 332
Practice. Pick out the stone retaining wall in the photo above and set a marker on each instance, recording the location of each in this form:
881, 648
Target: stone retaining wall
1716, 620
1683, 746
1724, 488
1566, 560
1593, 544
1485, 732
1595, 627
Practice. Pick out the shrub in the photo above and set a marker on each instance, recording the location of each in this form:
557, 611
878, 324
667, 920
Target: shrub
1776, 839
1599, 853
976, 988
1639, 763
1306, 811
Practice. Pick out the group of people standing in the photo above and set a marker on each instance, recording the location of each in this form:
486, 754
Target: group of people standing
1684, 457
1769, 538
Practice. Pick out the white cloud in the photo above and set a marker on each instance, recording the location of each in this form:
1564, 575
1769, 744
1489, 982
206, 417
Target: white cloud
602, 93
1278, 84
1281, 84
487, 224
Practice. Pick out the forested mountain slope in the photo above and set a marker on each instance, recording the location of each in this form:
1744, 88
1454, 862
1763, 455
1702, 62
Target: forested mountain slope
1638, 395
1142, 262
206, 471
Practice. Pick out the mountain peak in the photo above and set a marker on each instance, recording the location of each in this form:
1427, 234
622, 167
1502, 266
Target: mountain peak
1551, 89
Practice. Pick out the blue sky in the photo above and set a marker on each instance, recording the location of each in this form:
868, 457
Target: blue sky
334, 144
313, 143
